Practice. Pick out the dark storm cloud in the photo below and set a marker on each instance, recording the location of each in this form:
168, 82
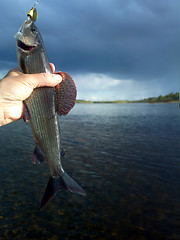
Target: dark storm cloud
129, 38
124, 39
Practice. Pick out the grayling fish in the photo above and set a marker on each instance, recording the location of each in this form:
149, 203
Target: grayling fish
42, 107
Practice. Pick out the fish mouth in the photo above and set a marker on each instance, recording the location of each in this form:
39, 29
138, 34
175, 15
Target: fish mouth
24, 47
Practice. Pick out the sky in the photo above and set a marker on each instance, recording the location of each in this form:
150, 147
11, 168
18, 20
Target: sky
113, 49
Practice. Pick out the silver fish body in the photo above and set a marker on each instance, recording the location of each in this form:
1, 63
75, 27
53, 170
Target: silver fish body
41, 109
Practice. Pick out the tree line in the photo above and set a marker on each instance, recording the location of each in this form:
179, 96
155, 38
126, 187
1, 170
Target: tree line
171, 97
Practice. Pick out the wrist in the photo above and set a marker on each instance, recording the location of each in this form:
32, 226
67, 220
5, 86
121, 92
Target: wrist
1, 117
2, 122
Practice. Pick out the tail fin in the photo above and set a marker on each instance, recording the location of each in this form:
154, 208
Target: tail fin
55, 184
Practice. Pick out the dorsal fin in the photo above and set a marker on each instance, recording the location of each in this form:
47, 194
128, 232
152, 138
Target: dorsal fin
65, 94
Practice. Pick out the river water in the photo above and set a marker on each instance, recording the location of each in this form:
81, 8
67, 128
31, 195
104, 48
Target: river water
125, 156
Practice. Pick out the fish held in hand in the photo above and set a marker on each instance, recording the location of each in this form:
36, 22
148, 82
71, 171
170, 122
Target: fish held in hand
42, 107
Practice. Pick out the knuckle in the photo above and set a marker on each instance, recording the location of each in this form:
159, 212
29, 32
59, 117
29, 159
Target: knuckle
44, 76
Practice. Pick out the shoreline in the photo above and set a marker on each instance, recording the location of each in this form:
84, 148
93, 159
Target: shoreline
169, 98
120, 102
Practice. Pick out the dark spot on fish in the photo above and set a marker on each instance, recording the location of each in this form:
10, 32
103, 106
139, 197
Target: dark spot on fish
24, 46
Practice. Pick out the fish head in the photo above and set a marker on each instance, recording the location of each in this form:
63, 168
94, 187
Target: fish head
30, 49
28, 37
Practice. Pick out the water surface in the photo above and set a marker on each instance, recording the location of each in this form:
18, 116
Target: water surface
125, 156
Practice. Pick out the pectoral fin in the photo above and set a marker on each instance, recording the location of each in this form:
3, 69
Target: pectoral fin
26, 115
65, 94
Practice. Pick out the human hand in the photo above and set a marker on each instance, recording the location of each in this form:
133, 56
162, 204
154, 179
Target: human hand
16, 86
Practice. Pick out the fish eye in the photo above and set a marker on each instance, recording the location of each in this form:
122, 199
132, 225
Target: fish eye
33, 30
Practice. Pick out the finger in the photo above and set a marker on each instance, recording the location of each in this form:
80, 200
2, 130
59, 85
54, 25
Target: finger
52, 67
43, 79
